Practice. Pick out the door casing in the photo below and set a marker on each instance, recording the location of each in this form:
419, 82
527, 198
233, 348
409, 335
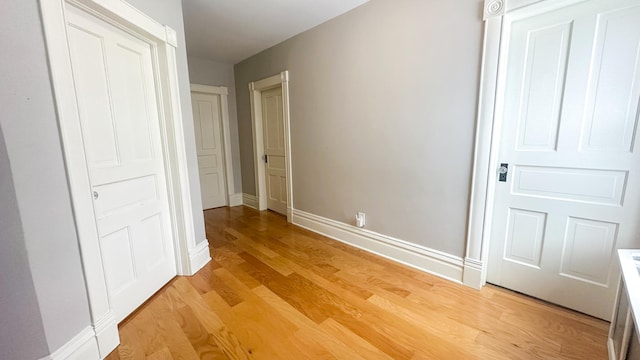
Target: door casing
163, 42
223, 92
255, 92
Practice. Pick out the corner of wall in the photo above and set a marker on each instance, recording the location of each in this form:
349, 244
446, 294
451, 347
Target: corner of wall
235, 199
250, 201
473, 273
82, 347
199, 256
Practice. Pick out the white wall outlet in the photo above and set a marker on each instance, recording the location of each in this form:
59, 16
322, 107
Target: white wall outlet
360, 219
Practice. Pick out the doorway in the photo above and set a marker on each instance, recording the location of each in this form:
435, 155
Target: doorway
566, 191
272, 143
113, 77
115, 84
213, 144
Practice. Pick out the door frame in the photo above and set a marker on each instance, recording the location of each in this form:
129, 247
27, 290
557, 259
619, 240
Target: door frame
488, 132
255, 93
223, 92
163, 41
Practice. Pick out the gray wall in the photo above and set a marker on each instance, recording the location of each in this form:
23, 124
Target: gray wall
34, 151
169, 12
42, 198
383, 108
19, 312
208, 72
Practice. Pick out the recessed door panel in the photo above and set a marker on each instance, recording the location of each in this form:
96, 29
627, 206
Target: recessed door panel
212, 182
208, 161
588, 185
588, 250
611, 111
118, 261
210, 112
131, 106
155, 250
543, 87
118, 196
92, 79
525, 236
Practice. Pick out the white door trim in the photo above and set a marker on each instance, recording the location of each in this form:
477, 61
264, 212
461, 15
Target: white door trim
163, 42
255, 90
488, 134
223, 91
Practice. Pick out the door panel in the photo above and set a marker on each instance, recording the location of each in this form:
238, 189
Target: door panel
543, 87
115, 87
273, 130
207, 117
118, 261
587, 185
587, 249
612, 100
571, 89
525, 235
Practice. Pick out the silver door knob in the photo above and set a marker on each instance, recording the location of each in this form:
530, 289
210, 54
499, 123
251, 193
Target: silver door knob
95, 195
502, 172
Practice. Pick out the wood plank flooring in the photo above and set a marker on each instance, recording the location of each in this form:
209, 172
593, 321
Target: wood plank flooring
276, 291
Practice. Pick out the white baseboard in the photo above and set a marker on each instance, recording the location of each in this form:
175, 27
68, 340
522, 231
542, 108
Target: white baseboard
250, 201
199, 256
422, 258
235, 200
82, 347
106, 330
611, 349
289, 214
472, 275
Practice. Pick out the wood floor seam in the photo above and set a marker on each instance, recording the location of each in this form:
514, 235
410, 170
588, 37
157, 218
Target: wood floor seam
276, 291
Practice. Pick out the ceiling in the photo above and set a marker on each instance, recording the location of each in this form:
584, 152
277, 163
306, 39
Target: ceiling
233, 30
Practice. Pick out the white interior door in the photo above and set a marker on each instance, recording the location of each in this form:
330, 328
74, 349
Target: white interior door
207, 117
116, 97
569, 115
273, 130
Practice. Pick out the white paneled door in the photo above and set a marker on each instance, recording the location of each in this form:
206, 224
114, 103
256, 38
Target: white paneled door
207, 117
273, 131
569, 109
117, 102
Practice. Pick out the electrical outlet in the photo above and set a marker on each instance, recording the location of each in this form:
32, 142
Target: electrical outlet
360, 219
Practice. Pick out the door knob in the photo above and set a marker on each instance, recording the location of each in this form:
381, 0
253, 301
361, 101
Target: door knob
503, 171
95, 195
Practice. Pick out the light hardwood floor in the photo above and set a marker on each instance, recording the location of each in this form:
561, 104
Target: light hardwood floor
276, 291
